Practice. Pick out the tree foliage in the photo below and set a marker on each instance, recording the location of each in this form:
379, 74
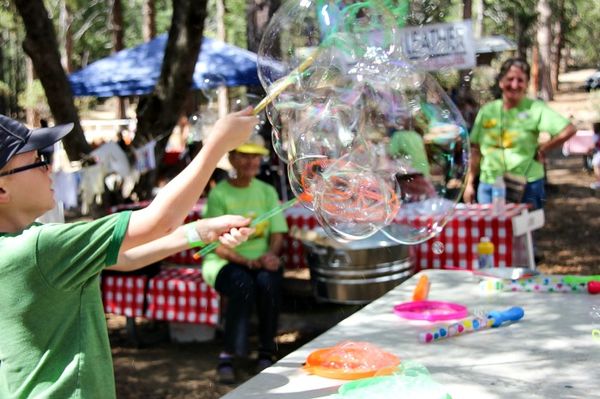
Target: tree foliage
514, 19
583, 32
517, 20
12, 59
424, 12
41, 46
90, 27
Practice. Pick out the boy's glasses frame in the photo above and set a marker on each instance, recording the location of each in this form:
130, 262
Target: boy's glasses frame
42, 161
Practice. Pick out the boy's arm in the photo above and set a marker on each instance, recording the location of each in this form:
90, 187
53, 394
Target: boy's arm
228, 229
172, 204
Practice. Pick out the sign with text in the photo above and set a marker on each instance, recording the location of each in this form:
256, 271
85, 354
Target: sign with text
437, 46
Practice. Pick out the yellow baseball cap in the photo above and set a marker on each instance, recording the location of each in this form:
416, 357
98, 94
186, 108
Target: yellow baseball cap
254, 145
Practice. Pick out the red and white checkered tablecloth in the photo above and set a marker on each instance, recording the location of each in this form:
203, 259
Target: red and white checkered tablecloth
180, 258
180, 294
293, 252
124, 294
455, 246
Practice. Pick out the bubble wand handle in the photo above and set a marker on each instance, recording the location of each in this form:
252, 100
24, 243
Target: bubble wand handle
593, 287
541, 283
494, 319
265, 216
278, 87
569, 279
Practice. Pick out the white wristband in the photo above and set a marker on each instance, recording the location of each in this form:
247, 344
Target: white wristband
193, 238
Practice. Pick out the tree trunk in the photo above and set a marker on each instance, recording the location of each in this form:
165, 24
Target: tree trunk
116, 25
222, 94
559, 40
522, 40
467, 9
41, 45
259, 13
544, 39
117, 30
158, 112
535, 70
557, 48
148, 20
478, 25
65, 37
30, 114
465, 74
3, 75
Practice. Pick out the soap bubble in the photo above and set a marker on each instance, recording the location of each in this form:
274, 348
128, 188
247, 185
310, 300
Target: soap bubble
279, 132
212, 85
372, 142
352, 202
250, 99
196, 128
437, 247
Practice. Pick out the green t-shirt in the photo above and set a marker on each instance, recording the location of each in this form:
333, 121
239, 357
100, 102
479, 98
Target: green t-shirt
508, 139
53, 336
408, 145
251, 201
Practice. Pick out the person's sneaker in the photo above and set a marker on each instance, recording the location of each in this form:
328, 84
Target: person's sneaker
225, 373
595, 185
263, 362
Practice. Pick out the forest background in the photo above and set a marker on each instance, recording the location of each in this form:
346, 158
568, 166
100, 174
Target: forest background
41, 41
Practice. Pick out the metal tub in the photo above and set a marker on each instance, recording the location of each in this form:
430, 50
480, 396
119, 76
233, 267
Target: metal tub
357, 272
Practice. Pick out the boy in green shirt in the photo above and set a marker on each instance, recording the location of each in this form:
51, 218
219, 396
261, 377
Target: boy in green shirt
53, 337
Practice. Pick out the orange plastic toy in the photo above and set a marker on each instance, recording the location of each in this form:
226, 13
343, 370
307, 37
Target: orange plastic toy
350, 361
421, 291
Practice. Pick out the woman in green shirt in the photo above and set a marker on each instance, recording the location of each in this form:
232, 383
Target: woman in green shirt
505, 136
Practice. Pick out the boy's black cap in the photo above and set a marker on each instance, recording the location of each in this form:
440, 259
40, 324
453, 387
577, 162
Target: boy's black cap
16, 138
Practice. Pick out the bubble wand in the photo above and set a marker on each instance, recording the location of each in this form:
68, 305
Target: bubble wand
282, 84
493, 319
544, 283
265, 216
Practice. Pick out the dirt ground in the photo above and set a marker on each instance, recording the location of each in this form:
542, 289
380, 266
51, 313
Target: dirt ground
568, 243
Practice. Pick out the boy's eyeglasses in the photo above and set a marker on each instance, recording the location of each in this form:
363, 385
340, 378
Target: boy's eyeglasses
41, 161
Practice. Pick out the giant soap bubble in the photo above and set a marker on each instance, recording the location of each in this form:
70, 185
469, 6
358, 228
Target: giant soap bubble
372, 142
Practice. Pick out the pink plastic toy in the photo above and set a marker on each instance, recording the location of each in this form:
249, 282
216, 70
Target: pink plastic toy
430, 310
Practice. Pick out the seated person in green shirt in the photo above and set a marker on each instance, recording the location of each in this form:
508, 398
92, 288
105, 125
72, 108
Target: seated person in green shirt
505, 135
53, 335
250, 275
413, 170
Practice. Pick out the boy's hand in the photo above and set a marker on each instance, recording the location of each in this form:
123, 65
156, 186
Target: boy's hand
233, 129
230, 230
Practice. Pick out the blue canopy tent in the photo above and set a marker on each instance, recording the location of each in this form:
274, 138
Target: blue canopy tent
135, 71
